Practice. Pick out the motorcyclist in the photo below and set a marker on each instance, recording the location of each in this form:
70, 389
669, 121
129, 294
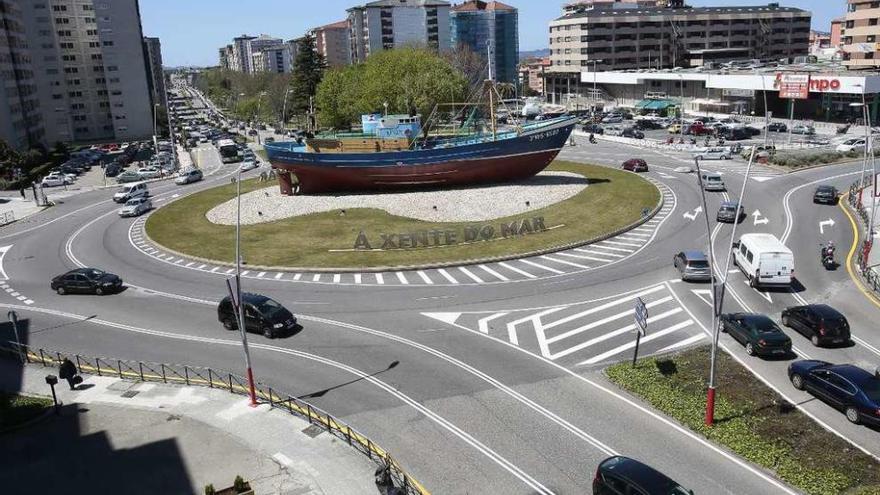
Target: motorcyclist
592, 138
827, 252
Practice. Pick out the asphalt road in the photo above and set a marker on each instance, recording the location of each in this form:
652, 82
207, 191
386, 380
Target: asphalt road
497, 387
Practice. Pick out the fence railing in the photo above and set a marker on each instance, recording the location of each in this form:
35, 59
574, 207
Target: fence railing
7, 217
854, 198
207, 377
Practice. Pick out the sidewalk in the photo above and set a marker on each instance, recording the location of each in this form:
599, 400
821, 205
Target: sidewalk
147, 438
14, 208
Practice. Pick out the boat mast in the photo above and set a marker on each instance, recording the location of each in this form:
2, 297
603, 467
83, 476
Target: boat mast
490, 84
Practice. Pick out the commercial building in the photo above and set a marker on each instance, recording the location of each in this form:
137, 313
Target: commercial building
531, 75
860, 34
475, 23
153, 54
273, 59
21, 123
91, 74
388, 24
333, 42
620, 36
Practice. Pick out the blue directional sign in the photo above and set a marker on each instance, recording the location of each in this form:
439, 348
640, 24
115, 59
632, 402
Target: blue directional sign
641, 316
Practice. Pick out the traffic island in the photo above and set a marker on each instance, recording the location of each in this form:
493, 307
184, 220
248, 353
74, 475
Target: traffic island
18, 410
751, 420
407, 231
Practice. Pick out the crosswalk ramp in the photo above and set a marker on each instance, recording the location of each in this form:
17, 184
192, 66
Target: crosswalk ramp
759, 173
566, 262
588, 333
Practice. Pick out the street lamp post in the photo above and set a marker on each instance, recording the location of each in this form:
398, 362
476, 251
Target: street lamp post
155, 128
239, 303
595, 92
284, 111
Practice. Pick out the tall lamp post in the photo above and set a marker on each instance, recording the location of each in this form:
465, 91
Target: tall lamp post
284, 111
259, 104
238, 302
593, 96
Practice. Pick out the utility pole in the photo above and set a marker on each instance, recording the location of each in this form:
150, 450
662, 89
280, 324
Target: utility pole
239, 304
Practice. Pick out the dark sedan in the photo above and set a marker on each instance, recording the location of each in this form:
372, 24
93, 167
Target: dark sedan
618, 474
847, 388
635, 165
820, 323
777, 127
729, 213
825, 194
758, 333
86, 281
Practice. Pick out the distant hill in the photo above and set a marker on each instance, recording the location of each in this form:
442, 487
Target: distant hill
544, 52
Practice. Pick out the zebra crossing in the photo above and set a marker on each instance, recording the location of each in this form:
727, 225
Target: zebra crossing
575, 260
759, 173
587, 333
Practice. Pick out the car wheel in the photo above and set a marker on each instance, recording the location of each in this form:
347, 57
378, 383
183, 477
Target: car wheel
797, 381
750, 349
99, 291
268, 333
785, 321
815, 340
753, 282
228, 324
60, 290
852, 414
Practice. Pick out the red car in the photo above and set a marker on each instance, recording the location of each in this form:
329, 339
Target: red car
699, 129
635, 165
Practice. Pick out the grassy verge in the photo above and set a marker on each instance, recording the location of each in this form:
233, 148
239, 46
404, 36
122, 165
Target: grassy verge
18, 409
752, 421
613, 199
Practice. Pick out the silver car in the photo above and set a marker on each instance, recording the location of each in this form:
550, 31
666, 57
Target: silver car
692, 266
135, 207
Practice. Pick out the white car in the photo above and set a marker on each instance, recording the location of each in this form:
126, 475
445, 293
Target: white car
135, 207
248, 165
613, 130
187, 176
149, 172
684, 169
855, 144
712, 153
54, 181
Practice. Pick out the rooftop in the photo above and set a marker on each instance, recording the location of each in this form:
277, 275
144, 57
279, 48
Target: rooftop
406, 3
478, 5
335, 25
623, 9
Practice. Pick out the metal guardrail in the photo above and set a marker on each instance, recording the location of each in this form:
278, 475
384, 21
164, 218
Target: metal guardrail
208, 377
870, 274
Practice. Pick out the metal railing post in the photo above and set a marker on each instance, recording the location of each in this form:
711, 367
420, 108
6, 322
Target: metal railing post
271, 402
119, 367
210, 379
42, 357
230, 383
186, 374
141, 370
348, 434
162, 367
78, 365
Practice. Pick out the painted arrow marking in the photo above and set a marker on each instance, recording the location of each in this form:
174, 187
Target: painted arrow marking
758, 219
824, 223
693, 216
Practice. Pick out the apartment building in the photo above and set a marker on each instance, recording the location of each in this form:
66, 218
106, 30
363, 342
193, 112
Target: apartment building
620, 36
476, 23
92, 78
531, 75
226, 57
860, 34
153, 54
241, 61
333, 42
388, 24
256, 45
273, 59
21, 122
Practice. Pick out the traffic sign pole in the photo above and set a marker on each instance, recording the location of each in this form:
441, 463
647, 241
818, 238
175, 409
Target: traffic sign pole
641, 318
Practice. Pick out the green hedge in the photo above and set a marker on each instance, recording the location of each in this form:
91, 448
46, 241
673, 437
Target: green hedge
752, 421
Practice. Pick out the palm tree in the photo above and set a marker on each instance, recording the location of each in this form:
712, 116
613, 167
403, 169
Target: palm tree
506, 90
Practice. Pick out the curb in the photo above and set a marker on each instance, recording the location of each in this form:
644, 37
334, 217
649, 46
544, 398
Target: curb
50, 411
447, 264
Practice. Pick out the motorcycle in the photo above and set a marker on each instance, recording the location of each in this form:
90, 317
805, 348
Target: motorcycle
826, 255
592, 139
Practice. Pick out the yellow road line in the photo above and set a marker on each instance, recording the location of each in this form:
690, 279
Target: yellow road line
852, 250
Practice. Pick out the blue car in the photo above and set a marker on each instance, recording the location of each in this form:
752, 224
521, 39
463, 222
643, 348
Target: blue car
846, 387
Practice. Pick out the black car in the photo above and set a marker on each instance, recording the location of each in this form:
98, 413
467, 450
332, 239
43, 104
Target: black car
620, 475
845, 387
759, 334
648, 124
261, 315
825, 194
821, 323
734, 133
753, 131
777, 127
727, 212
86, 281
633, 133
112, 169
592, 128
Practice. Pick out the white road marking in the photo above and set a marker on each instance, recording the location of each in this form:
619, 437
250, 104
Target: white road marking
245, 273
616, 243
684, 343
494, 273
630, 345
402, 278
179, 262
261, 274
337, 278
563, 262
191, 263
21, 298
278, 276
593, 258
316, 277
447, 276
532, 263
610, 248
517, 270
628, 298
357, 278
14, 294
297, 276
483, 323
425, 277
380, 279
629, 238
614, 333
28, 301
214, 270
283, 459
201, 267
470, 274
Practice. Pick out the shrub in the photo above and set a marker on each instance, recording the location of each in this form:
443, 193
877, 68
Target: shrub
240, 485
209, 490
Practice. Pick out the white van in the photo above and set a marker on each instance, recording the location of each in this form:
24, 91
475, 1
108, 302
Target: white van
712, 181
764, 260
131, 191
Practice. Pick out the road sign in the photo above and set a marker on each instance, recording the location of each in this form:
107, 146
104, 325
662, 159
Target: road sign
641, 316
794, 86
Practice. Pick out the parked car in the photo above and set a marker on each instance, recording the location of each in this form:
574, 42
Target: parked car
692, 265
261, 315
843, 386
188, 176
55, 181
248, 165
613, 130
716, 153
252, 132
149, 172
698, 129
825, 194
855, 144
131, 191
112, 169
734, 133
631, 132
730, 212
269, 139
758, 333
761, 151
648, 124
86, 281
620, 475
635, 165
803, 129
128, 176
612, 119
135, 207
821, 323
675, 129
777, 127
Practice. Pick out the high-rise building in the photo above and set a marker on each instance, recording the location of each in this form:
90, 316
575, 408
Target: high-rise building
21, 122
256, 45
476, 23
388, 24
836, 30
241, 61
153, 53
224, 59
92, 77
332, 41
293, 50
273, 59
860, 34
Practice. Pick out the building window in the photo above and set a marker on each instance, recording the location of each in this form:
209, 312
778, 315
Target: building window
38, 6
59, 8
850, 24
870, 38
869, 55
108, 43
112, 68
872, 22
68, 58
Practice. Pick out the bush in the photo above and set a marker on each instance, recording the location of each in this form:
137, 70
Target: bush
209, 490
240, 485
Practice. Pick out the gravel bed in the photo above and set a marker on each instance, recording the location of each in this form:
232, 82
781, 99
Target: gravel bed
471, 204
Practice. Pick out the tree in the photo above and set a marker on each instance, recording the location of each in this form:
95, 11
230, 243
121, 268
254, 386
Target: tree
338, 97
308, 69
473, 65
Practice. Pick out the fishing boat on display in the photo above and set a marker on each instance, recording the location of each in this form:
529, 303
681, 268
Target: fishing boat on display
392, 153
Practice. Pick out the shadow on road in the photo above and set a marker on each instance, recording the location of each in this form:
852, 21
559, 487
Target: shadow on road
322, 393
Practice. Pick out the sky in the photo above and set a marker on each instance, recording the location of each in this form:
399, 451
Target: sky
191, 31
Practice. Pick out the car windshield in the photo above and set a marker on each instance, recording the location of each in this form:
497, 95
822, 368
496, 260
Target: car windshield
93, 273
269, 307
133, 202
763, 325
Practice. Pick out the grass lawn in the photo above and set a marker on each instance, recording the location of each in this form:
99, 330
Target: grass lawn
752, 421
613, 199
17, 409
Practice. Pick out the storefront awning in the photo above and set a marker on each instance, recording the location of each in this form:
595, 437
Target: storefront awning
654, 104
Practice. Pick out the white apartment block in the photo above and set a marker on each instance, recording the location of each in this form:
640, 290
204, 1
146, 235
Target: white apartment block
388, 24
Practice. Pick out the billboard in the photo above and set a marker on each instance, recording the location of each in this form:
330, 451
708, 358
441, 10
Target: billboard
794, 86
